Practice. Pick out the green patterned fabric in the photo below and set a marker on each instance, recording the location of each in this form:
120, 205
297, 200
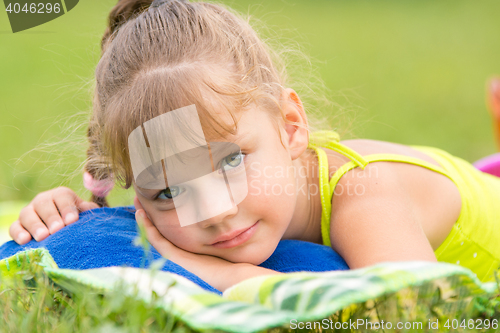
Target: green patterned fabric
265, 301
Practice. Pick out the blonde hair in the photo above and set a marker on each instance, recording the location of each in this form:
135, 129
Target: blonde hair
162, 55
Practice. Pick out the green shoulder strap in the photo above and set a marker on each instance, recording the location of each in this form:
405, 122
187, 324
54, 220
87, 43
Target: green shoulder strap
330, 140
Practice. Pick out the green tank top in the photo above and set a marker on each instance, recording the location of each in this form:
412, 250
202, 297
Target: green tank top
474, 241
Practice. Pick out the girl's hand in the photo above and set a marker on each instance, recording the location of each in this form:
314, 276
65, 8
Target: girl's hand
155, 238
160, 243
47, 213
219, 273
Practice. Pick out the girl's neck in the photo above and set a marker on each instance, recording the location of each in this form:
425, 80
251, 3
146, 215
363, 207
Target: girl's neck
306, 221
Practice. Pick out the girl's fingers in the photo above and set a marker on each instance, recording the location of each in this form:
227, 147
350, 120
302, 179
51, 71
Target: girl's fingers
141, 218
137, 203
86, 205
30, 220
160, 243
18, 233
47, 212
70, 205
66, 201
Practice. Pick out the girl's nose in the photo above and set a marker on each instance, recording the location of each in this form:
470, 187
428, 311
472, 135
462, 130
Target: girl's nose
224, 217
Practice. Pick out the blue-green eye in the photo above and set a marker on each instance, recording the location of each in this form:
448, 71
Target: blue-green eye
170, 192
231, 161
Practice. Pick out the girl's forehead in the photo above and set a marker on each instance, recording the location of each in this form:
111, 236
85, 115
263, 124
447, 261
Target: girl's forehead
245, 124
186, 128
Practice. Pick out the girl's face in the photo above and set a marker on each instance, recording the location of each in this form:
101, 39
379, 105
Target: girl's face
260, 220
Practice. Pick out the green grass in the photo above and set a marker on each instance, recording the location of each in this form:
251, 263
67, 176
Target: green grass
30, 302
34, 304
411, 72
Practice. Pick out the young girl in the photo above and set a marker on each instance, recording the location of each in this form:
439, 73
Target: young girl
370, 201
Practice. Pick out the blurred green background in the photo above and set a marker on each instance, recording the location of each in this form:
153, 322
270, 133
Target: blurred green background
411, 72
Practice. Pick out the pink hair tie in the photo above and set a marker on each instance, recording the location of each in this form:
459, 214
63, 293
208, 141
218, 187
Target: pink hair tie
99, 188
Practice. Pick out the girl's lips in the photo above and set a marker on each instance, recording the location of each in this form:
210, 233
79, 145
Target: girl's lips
237, 240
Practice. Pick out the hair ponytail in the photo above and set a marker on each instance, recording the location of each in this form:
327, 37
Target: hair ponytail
121, 13
98, 177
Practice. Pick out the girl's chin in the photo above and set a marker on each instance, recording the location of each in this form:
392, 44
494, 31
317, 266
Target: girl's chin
251, 257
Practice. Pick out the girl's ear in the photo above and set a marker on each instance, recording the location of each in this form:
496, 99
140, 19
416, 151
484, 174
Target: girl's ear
295, 123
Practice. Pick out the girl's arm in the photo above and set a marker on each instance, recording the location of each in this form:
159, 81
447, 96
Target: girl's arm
219, 273
47, 213
382, 220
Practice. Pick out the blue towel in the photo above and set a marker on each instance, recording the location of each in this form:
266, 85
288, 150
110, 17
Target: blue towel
104, 237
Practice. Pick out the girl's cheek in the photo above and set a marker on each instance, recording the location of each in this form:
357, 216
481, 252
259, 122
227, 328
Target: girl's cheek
258, 186
270, 181
253, 188
166, 218
179, 236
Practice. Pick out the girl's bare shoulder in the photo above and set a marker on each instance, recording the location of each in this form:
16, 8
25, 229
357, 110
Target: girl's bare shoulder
435, 196
368, 147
